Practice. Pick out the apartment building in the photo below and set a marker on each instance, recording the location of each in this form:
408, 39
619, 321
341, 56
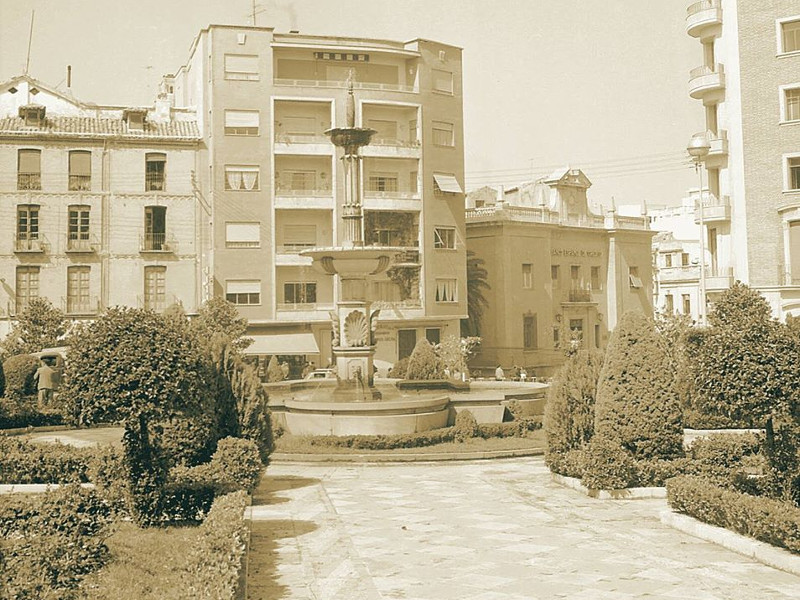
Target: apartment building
275, 182
749, 86
558, 273
97, 206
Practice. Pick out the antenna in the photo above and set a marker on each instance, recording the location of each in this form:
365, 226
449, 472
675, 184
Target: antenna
30, 39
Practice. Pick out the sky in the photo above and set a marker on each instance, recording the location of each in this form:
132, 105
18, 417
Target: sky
598, 85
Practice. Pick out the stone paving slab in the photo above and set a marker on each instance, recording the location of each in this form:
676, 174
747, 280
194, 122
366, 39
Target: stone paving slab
483, 530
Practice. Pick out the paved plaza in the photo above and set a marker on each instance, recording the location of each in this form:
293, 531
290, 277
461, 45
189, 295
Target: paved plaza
488, 530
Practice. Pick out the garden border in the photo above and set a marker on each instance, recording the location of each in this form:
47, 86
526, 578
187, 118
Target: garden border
389, 457
634, 493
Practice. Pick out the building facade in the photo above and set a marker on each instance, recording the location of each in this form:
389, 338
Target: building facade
557, 272
749, 86
275, 182
97, 206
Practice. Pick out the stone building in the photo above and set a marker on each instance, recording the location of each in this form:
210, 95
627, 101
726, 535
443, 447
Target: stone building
557, 271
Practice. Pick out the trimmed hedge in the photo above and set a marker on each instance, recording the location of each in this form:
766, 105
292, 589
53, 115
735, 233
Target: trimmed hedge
771, 521
236, 465
17, 414
608, 466
466, 426
212, 569
24, 462
423, 364
19, 371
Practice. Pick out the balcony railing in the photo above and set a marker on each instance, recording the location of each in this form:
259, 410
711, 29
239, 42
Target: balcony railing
301, 138
31, 243
714, 209
82, 243
338, 83
154, 182
81, 306
29, 181
397, 195
393, 141
578, 295
156, 242
409, 257
304, 306
706, 79
80, 183
296, 248
701, 16
282, 190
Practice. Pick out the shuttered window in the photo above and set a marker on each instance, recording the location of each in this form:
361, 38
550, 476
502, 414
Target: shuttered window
242, 235
241, 122
242, 67
296, 236
244, 291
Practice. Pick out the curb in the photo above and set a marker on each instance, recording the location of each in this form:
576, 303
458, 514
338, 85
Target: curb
767, 554
35, 488
388, 457
635, 493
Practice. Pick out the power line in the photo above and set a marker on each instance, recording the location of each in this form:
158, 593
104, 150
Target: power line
638, 158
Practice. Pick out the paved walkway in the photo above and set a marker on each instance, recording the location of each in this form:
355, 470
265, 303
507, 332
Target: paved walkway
491, 530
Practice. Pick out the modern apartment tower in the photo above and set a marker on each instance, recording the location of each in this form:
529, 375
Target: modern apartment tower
749, 85
274, 181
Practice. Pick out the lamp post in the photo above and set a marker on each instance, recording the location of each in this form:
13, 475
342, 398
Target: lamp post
698, 149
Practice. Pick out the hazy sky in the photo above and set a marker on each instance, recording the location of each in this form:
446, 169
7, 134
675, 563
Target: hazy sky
596, 84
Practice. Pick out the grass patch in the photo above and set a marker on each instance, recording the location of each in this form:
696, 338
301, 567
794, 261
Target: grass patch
292, 444
145, 564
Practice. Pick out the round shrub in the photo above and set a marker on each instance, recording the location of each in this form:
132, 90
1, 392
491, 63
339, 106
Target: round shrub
274, 372
608, 466
466, 426
637, 404
399, 369
188, 441
19, 371
423, 364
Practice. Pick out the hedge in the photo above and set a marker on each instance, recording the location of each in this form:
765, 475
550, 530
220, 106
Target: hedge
771, 521
19, 371
235, 465
214, 562
17, 414
24, 462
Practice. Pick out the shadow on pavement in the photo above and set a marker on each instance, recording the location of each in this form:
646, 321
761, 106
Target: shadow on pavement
266, 492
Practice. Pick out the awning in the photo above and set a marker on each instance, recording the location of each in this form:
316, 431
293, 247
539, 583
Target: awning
447, 183
283, 344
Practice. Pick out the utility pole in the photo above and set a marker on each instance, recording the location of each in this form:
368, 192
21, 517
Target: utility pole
30, 39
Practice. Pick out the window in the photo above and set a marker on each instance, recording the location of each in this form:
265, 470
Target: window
154, 172
78, 290
433, 335
406, 340
241, 178
668, 260
29, 170
385, 237
27, 222
687, 304
243, 291
241, 67
443, 134
382, 182
241, 122
27, 286
556, 336
575, 275
442, 81
555, 274
527, 275
684, 259
77, 227
300, 293
446, 290
242, 235
446, 183
444, 238
386, 131
413, 181
155, 288
298, 236
597, 335
298, 181
80, 171
791, 107
155, 228
790, 36
530, 338
576, 329
633, 277
596, 278
794, 172
669, 305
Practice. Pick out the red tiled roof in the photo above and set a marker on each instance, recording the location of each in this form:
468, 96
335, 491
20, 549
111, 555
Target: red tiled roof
94, 127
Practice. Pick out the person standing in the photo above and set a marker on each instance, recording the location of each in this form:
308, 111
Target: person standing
498, 374
44, 377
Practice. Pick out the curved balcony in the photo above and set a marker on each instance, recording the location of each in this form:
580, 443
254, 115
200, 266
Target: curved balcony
704, 18
715, 210
718, 150
718, 279
705, 80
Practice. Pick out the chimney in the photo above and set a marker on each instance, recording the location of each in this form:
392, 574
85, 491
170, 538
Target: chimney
501, 194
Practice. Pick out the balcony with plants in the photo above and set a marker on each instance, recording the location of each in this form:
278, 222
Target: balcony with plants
300, 127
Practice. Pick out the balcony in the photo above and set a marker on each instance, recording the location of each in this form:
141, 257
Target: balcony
156, 242
154, 182
81, 306
29, 181
82, 243
706, 80
703, 18
579, 295
303, 143
718, 150
340, 83
715, 210
80, 183
718, 279
680, 274
31, 243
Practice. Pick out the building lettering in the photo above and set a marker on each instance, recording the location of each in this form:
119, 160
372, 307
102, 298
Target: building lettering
576, 252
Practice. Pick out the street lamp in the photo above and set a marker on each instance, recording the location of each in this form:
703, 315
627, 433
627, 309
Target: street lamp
698, 149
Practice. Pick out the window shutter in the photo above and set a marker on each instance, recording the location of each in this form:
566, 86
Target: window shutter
241, 118
243, 287
30, 161
242, 232
296, 235
236, 63
80, 163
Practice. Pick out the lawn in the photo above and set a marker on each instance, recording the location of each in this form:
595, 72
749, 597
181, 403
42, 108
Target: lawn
291, 444
80, 437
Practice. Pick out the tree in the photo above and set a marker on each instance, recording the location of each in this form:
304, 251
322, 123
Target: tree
423, 364
135, 366
477, 285
40, 325
674, 328
637, 405
218, 316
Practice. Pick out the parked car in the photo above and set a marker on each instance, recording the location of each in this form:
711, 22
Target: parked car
322, 374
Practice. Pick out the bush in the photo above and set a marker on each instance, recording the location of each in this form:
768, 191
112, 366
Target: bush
212, 570
235, 465
607, 466
764, 519
399, 369
654, 472
24, 462
569, 464
50, 542
2, 381
423, 364
188, 441
19, 371
517, 428
637, 404
466, 426
185, 501
719, 456
569, 412
106, 470
17, 414
274, 372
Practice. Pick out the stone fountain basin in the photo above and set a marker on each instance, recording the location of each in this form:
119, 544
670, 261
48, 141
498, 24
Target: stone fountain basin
354, 262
